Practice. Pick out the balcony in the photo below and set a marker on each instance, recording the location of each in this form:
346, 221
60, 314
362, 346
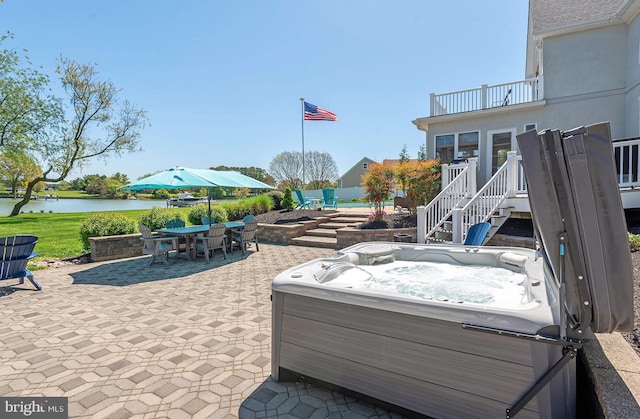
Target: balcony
487, 97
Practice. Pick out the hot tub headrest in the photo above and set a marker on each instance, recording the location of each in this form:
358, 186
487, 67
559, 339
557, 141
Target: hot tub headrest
513, 259
375, 254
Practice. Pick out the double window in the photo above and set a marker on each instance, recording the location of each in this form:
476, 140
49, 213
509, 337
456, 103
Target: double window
458, 146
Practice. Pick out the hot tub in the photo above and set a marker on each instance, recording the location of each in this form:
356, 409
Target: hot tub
454, 331
429, 349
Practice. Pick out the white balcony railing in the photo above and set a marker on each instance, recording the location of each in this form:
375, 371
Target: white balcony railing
487, 97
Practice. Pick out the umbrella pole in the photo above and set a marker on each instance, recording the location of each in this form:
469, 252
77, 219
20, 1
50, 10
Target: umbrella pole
209, 201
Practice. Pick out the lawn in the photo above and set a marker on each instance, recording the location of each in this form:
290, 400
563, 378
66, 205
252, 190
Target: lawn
58, 234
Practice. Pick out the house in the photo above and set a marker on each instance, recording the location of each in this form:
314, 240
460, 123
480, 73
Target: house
352, 178
582, 67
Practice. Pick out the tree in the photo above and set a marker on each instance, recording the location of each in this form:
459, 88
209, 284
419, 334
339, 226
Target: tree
422, 152
95, 111
120, 178
16, 169
378, 182
253, 172
286, 169
28, 112
321, 170
404, 154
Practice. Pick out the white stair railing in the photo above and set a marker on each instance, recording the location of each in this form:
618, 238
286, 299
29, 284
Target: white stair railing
459, 189
486, 202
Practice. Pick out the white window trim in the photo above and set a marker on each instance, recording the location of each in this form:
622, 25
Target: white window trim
455, 142
487, 157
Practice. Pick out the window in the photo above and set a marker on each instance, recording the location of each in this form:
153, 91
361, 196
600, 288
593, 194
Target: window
365, 166
451, 147
445, 148
529, 127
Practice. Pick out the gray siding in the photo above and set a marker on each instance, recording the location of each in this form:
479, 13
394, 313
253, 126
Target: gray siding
632, 102
585, 62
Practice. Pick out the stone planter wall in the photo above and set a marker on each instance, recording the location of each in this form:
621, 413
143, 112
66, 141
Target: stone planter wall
348, 236
129, 245
115, 247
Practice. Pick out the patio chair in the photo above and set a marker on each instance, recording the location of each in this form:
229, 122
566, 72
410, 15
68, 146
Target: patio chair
329, 199
245, 236
476, 234
302, 201
156, 246
15, 253
216, 238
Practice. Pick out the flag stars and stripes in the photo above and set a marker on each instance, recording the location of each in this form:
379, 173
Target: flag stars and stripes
314, 113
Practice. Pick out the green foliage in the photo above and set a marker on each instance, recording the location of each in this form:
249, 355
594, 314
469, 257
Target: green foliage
420, 181
276, 197
219, 193
161, 194
287, 200
250, 206
404, 155
218, 214
378, 181
242, 193
157, 217
105, 224
634, 242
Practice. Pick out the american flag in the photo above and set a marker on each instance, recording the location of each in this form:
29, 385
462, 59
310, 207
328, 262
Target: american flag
314, 113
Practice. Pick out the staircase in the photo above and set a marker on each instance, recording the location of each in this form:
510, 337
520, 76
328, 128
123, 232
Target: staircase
325, 234
458, 206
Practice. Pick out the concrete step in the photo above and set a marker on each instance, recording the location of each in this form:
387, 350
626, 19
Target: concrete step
321, 232
349, 219
314, 241
336, 226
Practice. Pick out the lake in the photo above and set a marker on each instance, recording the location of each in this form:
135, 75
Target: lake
80, 205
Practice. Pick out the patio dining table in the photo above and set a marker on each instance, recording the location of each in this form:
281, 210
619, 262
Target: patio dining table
195, 230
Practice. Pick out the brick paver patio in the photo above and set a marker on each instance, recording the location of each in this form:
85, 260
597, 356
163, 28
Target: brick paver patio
191, 339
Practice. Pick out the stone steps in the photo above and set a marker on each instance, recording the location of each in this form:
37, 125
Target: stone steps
325, 235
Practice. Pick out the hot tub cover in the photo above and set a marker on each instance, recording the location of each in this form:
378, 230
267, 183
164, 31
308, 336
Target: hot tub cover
578, 216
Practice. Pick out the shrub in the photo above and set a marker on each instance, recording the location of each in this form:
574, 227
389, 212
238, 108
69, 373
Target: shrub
105, 224
287, 200
420, 181
276, 198
261, 204
157, 217
634, 242
378, 181
218, 213
252, 206
161, 194
242, 193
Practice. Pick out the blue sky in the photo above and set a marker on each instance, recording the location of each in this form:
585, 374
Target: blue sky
221, 80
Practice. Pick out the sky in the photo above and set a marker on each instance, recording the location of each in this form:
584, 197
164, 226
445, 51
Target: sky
221, 80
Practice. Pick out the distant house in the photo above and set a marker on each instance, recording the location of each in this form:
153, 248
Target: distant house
353, 177
582, 67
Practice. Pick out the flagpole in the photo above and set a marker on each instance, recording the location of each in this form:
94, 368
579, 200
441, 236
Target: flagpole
302, 108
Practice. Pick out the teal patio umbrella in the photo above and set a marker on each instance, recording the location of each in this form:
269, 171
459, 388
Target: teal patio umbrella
184, 177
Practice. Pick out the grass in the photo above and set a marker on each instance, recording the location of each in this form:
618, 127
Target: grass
58, 234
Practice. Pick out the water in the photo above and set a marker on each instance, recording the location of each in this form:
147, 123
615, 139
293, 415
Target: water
80, 205
484, 285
